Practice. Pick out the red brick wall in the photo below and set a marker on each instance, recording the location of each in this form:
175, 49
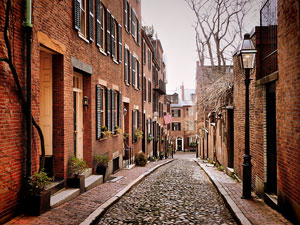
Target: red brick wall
148, 106
12, 119
134, 95
288, 105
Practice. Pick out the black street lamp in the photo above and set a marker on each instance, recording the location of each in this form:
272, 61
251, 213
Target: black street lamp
247, 57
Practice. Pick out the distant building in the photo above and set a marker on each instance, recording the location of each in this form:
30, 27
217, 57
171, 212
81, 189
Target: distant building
184, 126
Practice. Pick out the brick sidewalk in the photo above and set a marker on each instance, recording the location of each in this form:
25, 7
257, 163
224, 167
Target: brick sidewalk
78, 209
253, 211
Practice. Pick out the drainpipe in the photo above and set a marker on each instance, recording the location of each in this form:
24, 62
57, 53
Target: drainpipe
28, 32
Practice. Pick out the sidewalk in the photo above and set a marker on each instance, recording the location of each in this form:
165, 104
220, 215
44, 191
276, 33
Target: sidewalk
86, 207
253, 211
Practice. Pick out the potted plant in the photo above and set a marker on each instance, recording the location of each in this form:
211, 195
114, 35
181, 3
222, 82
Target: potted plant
150, 137
161, 155
138, 134
37, 199
125, 136
77, 167
140, 159
101, 162
104, 132
118, 130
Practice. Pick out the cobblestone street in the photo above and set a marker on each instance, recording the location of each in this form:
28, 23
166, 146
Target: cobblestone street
178, 193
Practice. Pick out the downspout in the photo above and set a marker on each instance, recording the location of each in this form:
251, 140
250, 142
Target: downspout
28, 33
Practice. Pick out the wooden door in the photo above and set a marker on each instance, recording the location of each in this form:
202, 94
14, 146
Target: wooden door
78, 114
46, 100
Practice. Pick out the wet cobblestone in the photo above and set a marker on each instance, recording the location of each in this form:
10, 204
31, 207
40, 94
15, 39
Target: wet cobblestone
178, 193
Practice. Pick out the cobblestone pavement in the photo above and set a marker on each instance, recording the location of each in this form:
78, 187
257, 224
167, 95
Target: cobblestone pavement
178, 193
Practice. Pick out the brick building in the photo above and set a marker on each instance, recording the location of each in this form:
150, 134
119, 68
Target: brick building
215, 114
274, 108
183, 128
87, 77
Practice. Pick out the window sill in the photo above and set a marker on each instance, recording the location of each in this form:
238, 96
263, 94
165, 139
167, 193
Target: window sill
116, 62
103, 139
83, 38
102, 51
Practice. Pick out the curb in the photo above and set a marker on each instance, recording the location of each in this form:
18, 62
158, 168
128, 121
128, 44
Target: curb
102, 208
235, 210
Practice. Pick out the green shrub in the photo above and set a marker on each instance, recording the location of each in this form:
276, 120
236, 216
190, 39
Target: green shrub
140, 159
39, 181
77, 166
101, 159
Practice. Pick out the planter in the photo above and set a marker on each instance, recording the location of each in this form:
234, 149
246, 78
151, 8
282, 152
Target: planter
101, 170
77, 182
35, 205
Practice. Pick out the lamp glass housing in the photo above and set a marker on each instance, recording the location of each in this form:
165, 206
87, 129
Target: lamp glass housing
247, 53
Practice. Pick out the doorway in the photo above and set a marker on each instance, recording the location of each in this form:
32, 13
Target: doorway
271, 185
46, 107
179, 144
78, 114
231, 138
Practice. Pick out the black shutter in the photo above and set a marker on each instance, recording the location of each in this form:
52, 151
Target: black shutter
138, 75
108, 37
113, 36
129, 67
99, 108
125, 65
113, 112
119, 109
179, 126
133, 60
108, 109
144, 89
120, 43
179, 112
144, 53
138, 119
129, 18
172, 126
133, 125
125, 14
138, 31
132, 22
91, 20
76, 14
99, 30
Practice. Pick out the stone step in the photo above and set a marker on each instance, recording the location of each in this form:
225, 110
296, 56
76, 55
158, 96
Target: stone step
63, 196
55, 186
88, 172
93, 181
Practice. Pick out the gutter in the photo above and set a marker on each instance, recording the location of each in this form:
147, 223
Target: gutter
28, 34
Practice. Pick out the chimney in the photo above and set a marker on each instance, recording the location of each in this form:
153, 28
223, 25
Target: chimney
182, 91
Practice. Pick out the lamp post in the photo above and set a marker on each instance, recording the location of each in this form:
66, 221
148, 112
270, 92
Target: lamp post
247, 57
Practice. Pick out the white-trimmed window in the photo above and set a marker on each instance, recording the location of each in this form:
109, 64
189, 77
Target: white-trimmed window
83, 18
176, 126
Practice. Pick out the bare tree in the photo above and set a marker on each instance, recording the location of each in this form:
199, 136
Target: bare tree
218, 25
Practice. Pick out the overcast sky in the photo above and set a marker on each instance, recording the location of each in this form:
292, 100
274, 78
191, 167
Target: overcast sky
173, 22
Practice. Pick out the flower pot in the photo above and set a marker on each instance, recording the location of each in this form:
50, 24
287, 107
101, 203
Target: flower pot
36, 204
77, 182
101, 170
